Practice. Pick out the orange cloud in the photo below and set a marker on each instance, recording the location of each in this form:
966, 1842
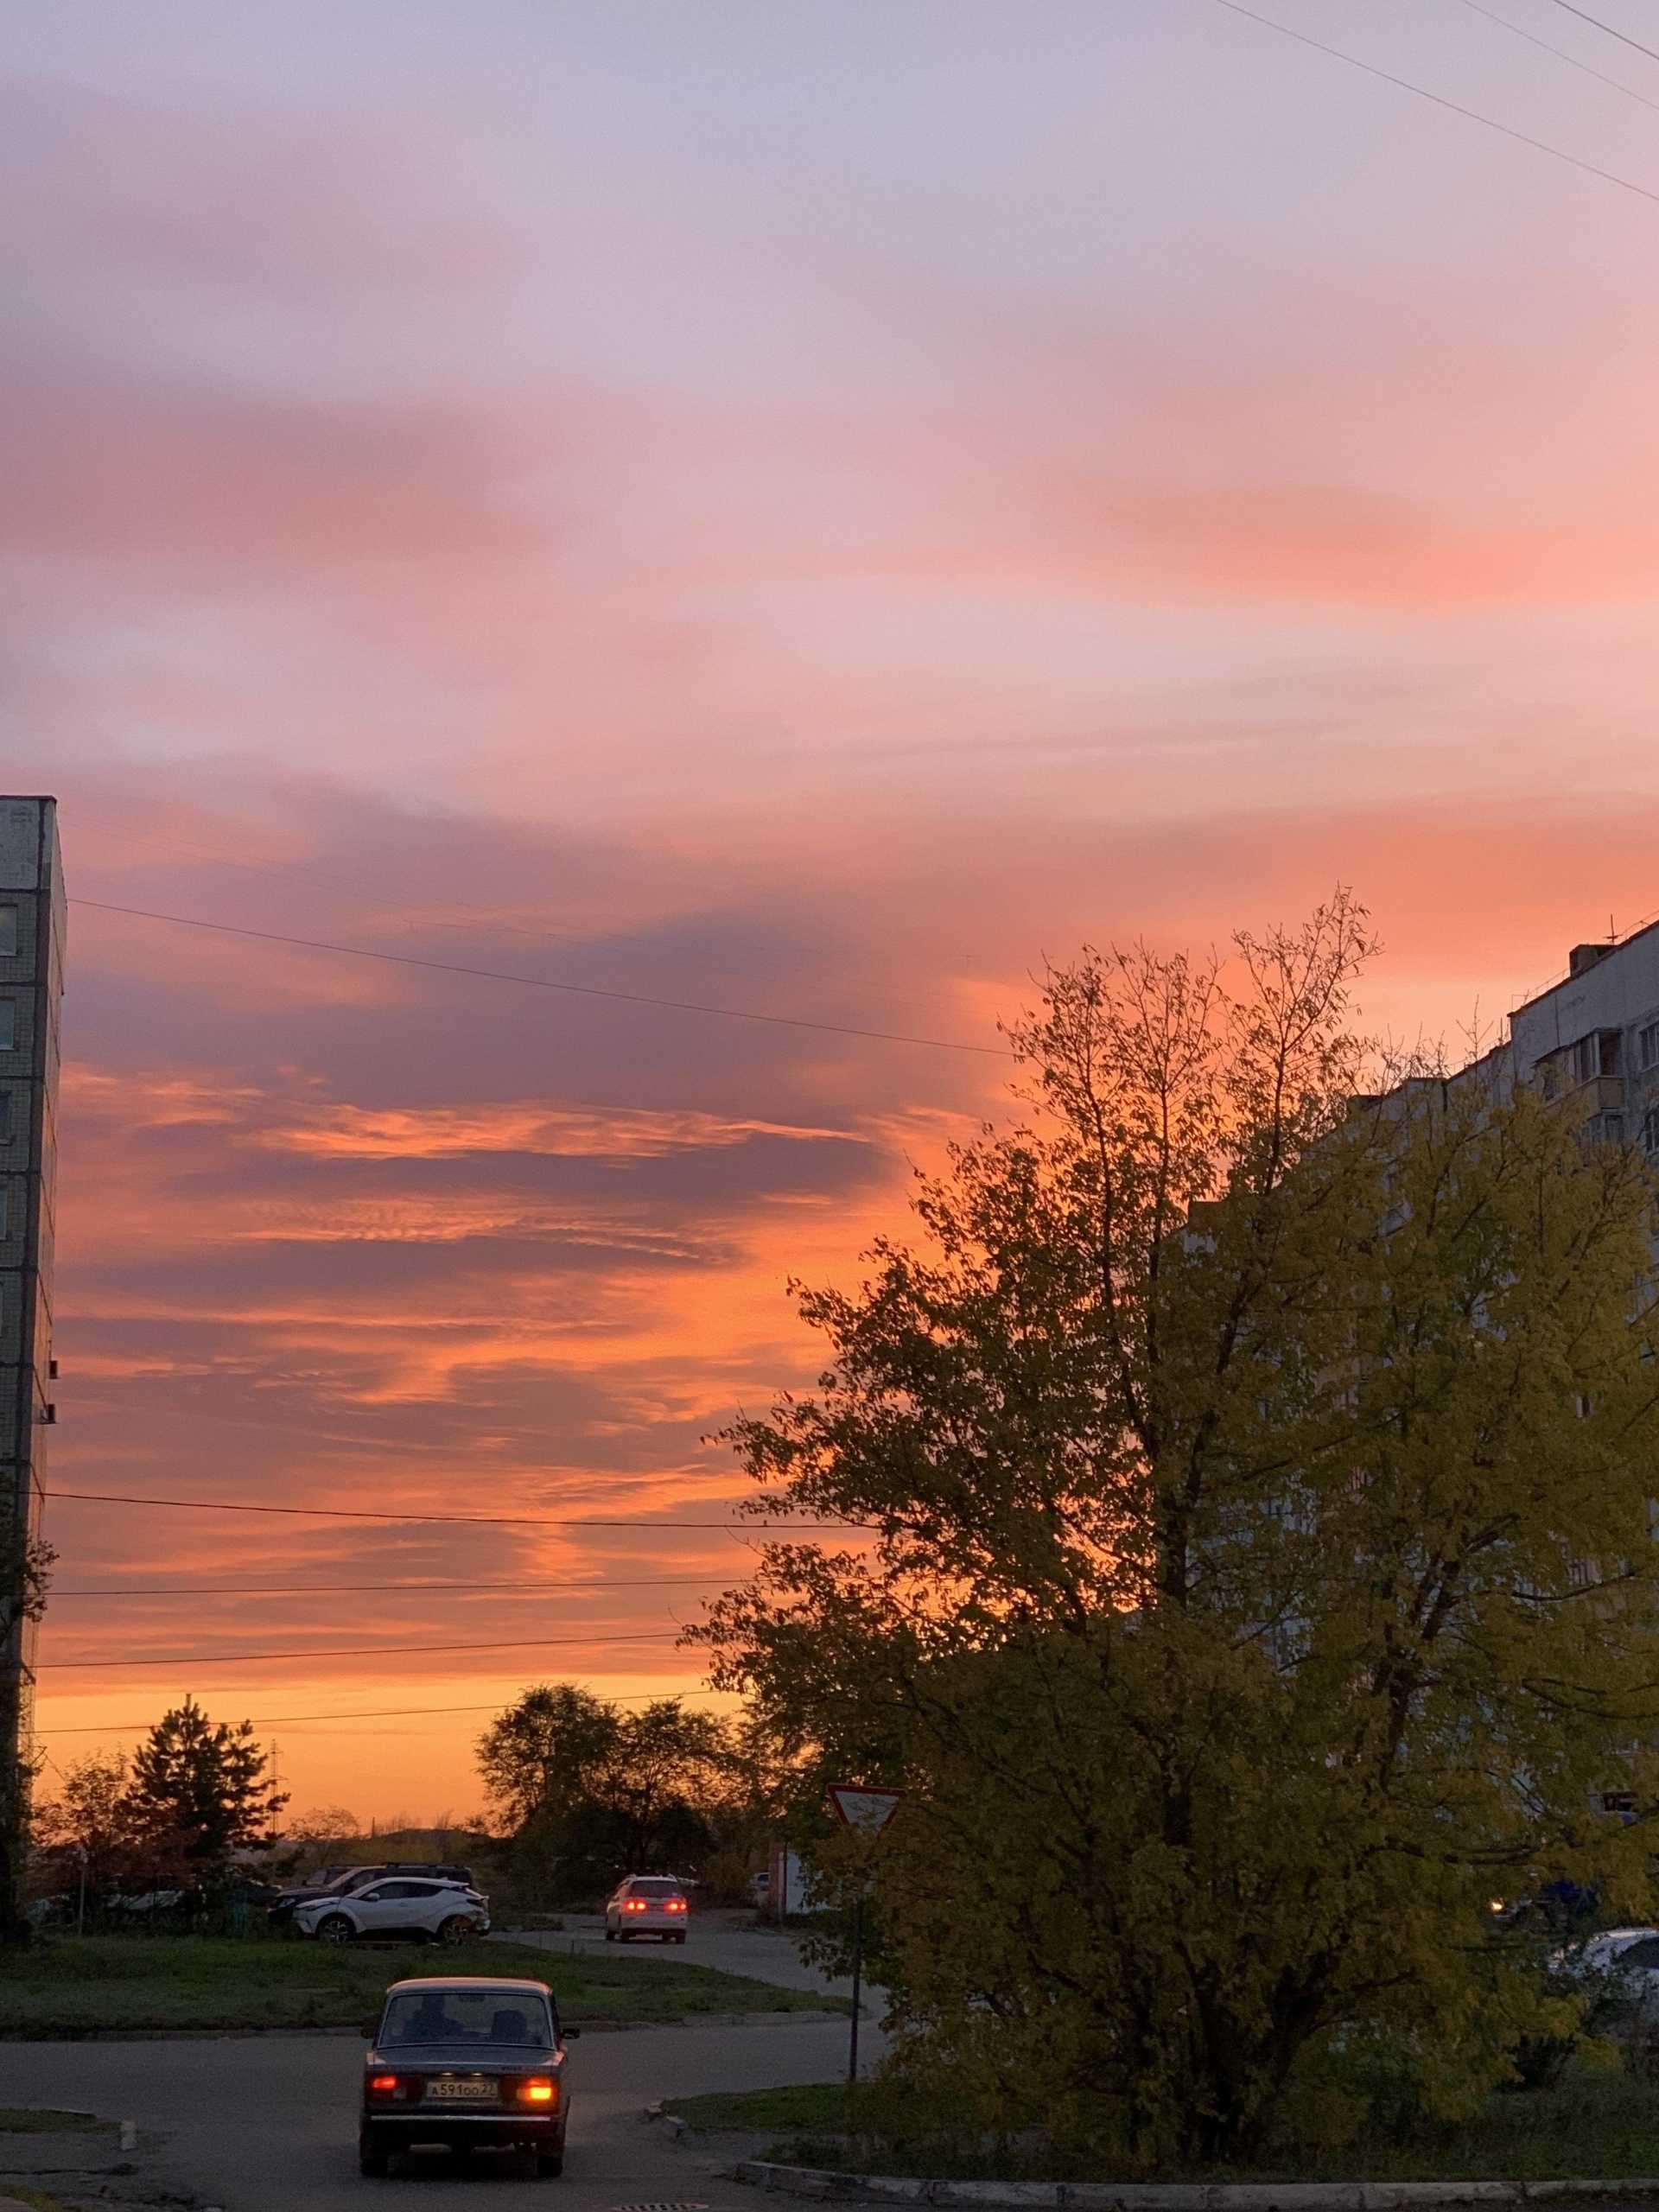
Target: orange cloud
526, 1126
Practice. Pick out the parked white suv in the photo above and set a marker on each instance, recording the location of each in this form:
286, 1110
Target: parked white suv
646, 1904
400, 1905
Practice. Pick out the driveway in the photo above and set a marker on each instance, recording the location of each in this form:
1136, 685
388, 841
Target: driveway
268, 2123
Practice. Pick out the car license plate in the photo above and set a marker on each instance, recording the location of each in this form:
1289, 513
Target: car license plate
461, 2093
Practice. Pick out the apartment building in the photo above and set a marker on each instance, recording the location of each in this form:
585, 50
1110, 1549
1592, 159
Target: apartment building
1595, 1033
32, 917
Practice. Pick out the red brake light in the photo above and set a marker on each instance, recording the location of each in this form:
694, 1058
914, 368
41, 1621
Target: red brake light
634, 1905
383, 2081
537, 2090
676, 1905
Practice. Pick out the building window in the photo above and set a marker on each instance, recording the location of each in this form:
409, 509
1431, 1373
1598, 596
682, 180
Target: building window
8, 932
7, 1025
5, 1117
1599, 1053
4, 1211
1650, 1130
1648, 1044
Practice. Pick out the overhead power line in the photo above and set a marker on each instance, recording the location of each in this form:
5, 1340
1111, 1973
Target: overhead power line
1624, 37
1440, 99
294, 1720
544, 982
342, 1651
493, 919
479, 1520
598, 1583
1562, 54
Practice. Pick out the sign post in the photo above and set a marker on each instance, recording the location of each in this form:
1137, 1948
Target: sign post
868, 1811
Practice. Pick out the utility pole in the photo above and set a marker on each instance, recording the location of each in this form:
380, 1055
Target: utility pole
33, 915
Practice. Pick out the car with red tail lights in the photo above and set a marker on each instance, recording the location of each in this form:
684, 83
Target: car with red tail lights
646, 1904
463, 2065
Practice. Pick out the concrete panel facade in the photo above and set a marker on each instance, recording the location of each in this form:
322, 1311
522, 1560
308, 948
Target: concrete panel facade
32, 930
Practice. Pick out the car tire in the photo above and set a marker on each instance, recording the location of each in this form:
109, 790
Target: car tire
610, 1935
371, 2162
677, 1939
335, 1929
455, 1931
551, 2166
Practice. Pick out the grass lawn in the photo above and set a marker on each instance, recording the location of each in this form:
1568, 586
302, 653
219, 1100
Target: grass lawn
1598, 2125
98, 1984
1601, 2123
34, 2119
813, 2104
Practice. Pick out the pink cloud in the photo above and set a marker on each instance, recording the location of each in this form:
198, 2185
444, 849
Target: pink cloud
218, 482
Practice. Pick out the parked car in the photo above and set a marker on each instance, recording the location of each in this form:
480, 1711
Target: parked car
1623, 1963
343, 1881
450, 1912
144, 1904
469, 2064
646, 1904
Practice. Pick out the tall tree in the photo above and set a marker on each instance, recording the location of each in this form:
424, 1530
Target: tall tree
665, 1759
84, 1830
593, 1791
543, 1754
200, 1790
1261, 1577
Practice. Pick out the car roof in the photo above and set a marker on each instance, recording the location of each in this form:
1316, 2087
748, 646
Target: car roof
467, 1981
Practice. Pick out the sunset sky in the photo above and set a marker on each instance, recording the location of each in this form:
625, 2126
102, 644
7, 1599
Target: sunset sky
804, 510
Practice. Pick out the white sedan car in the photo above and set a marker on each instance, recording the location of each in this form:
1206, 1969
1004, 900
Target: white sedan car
1625, 1961
400, 1905
646, 1904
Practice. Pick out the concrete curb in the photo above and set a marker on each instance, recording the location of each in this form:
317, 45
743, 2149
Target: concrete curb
1178, 2196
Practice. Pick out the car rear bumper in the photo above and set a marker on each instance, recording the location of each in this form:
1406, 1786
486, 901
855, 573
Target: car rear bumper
473, 2131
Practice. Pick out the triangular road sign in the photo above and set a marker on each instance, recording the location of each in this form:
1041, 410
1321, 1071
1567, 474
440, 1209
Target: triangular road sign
868, 1810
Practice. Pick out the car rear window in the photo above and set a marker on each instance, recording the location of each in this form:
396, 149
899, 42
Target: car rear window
651, 1889
480, 2016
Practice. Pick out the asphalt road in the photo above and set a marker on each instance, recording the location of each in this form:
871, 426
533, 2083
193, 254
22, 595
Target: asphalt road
731, 1941
268, 2123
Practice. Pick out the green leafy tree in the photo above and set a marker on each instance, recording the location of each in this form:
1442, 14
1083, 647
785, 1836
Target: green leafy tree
544, 1755
667, 1771
1261, 1578
84, 1833
592, 1792
198, 1792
